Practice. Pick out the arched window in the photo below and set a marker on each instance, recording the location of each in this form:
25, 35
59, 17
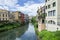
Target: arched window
51, 22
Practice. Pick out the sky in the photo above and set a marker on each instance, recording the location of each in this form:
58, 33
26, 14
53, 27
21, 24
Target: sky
25, 6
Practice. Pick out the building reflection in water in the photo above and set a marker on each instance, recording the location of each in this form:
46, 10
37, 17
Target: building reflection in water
13, 34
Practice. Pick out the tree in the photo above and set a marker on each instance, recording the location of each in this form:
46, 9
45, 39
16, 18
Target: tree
42, 16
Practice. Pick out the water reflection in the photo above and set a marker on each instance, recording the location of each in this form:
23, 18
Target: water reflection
12, 34
29, 34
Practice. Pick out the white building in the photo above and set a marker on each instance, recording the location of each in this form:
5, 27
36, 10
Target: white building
53, 11
4, 15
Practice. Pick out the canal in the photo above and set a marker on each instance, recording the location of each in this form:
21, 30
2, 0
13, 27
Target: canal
23, 33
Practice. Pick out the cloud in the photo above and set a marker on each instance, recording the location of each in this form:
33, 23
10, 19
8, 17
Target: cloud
30, 8
5, 7
10, 2
1, 7
1, 2
29, 3
6, 4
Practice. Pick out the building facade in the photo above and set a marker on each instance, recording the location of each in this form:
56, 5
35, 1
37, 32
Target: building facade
16, 14
26, 17
4, 15
22, 18
41, 18
53, 11
11, 16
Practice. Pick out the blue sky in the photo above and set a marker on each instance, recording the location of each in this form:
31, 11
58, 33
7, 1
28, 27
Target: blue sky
21, 2
26, 6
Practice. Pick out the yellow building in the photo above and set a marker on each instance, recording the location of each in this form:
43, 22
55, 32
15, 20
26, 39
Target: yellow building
16, 14
11, 16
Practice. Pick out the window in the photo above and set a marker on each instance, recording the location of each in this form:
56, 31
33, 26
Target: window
6, 18
51, 22
6, 15
48, 6
54, 11
46, 0
50, 13
3, 15
54, 4
3, 18
42, 21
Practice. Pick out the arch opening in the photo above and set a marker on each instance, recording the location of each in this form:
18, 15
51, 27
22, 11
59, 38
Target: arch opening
51, 22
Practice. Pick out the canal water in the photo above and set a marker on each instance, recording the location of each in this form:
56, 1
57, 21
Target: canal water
27, 33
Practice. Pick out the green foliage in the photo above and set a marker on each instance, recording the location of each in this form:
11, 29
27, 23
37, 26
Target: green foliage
57, 34
47, 35
36, 25
33, 20
8, 26
43, 15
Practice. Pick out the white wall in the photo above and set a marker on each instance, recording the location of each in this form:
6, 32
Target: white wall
54, 18
58, 11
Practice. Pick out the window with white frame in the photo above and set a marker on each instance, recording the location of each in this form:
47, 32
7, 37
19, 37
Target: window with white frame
54, 11
54, 4
50, 13
49, 6
45, 0
46, 7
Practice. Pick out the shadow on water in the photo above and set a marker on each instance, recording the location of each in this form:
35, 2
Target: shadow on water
13, 33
